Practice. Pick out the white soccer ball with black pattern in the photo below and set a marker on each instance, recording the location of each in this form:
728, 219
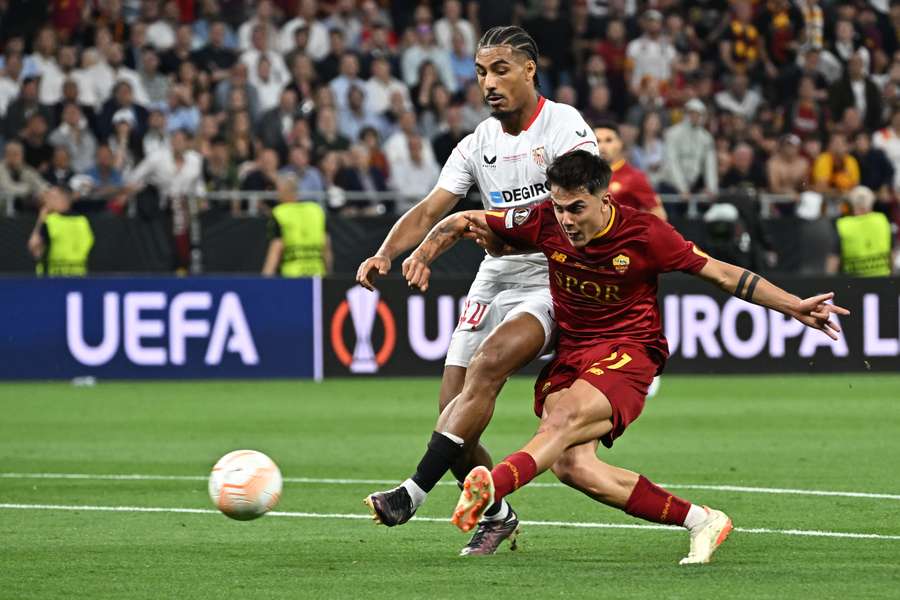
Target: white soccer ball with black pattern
245, 484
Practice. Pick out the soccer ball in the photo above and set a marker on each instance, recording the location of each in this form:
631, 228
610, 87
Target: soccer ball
245, 484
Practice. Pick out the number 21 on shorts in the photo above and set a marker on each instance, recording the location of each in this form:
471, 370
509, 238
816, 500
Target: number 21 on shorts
617, 362
472, 314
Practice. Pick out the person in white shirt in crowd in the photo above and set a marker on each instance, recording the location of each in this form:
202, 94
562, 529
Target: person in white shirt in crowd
260, 47
424, 49
111, 69
317, 45
453, 22
268, 86
396, 148
155, 83
739, 98
414, 175
349, 77
76, 137
264, 18
690, 163
161, 29
650, 55
9, 81
344, 17
381, 85
176, 170
473, 110
84, 78
888, 140
157, 135
44, 56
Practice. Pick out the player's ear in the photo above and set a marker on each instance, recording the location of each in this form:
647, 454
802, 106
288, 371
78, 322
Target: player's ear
530, 71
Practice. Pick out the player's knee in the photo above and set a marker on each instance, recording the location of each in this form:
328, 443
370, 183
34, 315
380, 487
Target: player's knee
488, 369
564, 420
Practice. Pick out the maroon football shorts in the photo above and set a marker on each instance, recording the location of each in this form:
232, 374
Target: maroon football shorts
622, 371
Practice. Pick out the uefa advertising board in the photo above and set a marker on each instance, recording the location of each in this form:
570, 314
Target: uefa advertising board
398, 331
112, 328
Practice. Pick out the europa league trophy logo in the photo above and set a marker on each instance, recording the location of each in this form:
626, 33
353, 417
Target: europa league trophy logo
363, 305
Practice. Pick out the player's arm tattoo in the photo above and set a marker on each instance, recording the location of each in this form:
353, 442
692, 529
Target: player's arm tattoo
746, 285
441, 238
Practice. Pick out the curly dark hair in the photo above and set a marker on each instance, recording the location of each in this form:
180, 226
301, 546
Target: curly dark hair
579, 169
515, 37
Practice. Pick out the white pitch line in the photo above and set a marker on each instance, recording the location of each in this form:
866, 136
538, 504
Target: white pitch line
334, 481
359, 517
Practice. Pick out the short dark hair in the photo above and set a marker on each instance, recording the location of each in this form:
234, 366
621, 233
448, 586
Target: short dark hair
579, 169
611, 125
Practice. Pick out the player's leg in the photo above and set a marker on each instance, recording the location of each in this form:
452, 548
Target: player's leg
626, 490
474, 454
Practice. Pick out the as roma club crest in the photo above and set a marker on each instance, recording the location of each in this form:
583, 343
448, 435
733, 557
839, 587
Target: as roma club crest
538, 155
620, 263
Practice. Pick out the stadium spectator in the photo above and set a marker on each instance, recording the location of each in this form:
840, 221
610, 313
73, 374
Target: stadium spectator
172, 59
780, 25
275, 124
216, 57
835, 171
788, 169
372, 141
856, 89
450, 134
259, 49
354, 118
261, 23
74, 134
343, 18
299, 245
44, 58
19, 180
875, 169
414, 174
382, 85
806, 117
9, 81
741, 48
240, 132
308, 177
59, 171
263, 174
211, 17
888, 140
220, 174
423, 48
327, 137
175, 171
396, 148
106, 180
453, 24
360, 176
461, 62
745, 173
348, 77
237, 81
552, 31
23, 107
865, 237
845, 45
817, 252
690, 163
157, 135
474, 110
160, 26
317, 45
649, 152
613, 58
649, 56
738, 98
155, 83
598, 109
34, 140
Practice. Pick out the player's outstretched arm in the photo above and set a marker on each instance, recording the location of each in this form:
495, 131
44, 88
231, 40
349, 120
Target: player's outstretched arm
406, 233
813, 312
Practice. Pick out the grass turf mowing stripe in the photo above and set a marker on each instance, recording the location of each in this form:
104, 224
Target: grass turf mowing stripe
330, 481
574, 524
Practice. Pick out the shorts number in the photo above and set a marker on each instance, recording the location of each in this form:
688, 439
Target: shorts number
618, 364
472, 313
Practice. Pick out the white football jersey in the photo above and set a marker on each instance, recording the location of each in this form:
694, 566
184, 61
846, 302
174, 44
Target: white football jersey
510, 170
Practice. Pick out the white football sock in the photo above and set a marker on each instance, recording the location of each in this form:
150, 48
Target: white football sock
696, 515
416, 494
501, 514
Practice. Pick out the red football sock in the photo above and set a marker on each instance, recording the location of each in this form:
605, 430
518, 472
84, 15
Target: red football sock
650, 502
511, 473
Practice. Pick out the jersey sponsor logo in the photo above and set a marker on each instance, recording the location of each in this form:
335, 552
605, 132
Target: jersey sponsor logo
489, 162
539, 156
620, 263
601, 293
582, 133
363, 307
528, 192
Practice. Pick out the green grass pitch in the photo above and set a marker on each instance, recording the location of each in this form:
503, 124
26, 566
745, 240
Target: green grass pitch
828, 433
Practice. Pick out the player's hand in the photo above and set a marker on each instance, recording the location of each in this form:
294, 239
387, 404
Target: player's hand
816, 312
479, 231
417, 272
372, 266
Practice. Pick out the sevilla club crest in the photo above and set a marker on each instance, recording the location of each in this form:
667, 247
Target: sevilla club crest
538, 155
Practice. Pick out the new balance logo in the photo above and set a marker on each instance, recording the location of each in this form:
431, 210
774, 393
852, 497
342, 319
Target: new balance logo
490, 161
581, 133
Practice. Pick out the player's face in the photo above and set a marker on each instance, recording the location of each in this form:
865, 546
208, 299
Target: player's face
609, 144
505, 78
581, 215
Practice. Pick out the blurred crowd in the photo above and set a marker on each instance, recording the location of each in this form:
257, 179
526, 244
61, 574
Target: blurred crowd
354, 97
